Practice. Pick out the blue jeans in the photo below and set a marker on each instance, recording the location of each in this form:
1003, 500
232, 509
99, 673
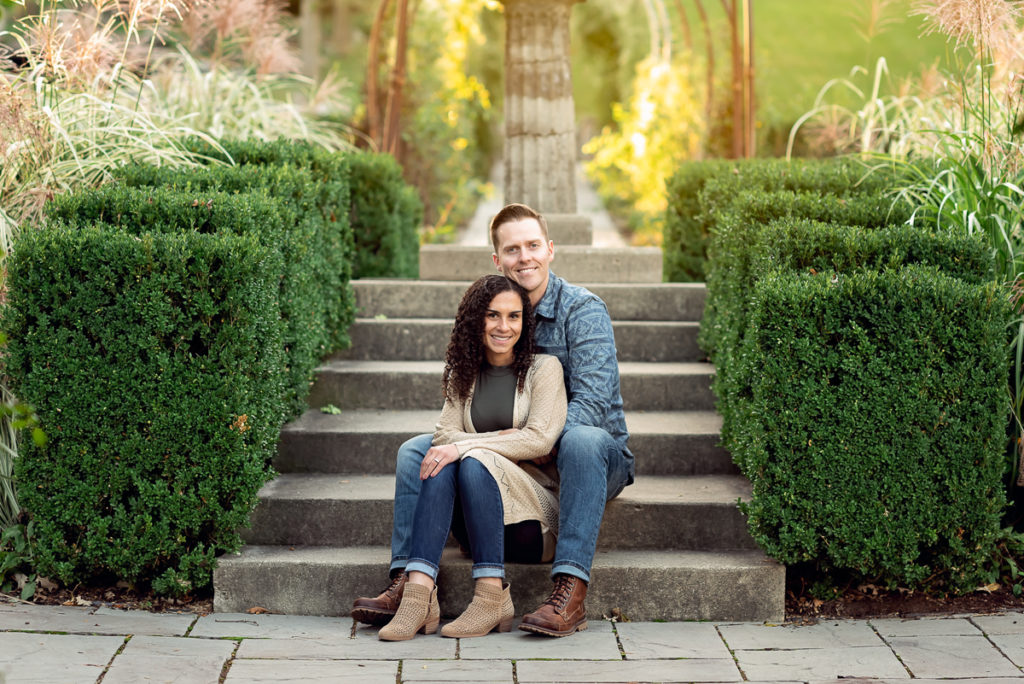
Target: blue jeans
593, 470
482, 511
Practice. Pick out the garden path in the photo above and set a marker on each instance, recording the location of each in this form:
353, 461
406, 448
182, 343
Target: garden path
90, 644
588, 204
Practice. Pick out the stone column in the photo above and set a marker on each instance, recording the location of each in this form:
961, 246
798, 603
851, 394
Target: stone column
540, 116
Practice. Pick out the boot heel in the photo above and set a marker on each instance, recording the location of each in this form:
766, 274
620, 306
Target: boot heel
430, 627
506, 624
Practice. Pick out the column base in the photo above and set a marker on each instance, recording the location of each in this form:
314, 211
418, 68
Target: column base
570, 229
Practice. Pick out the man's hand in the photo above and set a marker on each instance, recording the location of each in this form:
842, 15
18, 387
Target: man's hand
436, 459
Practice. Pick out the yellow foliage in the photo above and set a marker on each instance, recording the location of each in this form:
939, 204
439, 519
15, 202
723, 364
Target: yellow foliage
658, 128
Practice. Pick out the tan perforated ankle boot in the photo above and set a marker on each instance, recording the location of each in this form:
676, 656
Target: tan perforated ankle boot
490, 609
418, 611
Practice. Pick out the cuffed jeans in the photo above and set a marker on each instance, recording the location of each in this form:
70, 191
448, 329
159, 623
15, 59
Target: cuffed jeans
483, 513
592, 468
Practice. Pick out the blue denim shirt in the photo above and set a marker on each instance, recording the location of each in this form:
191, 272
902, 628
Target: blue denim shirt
573, 324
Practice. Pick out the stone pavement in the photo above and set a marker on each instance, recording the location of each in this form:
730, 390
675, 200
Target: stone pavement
64, 644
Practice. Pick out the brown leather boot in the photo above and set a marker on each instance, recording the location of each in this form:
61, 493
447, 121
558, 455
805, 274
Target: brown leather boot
563, 613
379, 611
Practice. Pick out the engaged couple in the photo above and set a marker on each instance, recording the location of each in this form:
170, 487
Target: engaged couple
530, 445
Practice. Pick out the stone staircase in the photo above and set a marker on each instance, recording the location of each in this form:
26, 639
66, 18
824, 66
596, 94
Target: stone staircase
673, 546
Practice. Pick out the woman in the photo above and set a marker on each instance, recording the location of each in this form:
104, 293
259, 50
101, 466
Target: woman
504, 407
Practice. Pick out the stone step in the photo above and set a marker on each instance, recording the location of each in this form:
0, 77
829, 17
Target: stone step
638, 585
426, 339
656, 512
575, 263
366, 441
417, 385
440, 299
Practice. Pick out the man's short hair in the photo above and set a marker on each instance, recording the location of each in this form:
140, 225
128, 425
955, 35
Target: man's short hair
511, 213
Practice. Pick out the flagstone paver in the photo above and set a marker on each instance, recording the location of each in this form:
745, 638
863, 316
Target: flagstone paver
356, 672
170, 659
48, 658
365, 646
91, 620
894, 627
1006, 623
834, 634
267, 626
876, 662
456, 671
596, 643
968, 680
1012, 646
687, 670
652, 640
952, 656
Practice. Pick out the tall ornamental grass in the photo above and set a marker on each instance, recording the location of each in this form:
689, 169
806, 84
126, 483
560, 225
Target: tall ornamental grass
974, 185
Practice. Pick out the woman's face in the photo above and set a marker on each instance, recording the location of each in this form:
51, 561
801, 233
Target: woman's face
503, 324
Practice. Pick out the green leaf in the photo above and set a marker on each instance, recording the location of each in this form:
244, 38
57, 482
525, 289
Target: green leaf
29, 590
330, 409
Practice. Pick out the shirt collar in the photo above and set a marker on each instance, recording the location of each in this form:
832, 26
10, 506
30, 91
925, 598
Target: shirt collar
546, 306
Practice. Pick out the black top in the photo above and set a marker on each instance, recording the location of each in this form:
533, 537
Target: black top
493, 398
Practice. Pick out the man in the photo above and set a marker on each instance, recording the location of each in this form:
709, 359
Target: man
594, 464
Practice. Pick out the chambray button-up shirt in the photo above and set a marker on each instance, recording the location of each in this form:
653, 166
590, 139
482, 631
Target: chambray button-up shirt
573, 324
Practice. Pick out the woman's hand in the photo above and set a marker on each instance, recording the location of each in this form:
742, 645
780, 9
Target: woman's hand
436, 459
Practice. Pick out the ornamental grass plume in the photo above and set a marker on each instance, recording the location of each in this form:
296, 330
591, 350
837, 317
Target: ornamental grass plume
990, 26
250, 30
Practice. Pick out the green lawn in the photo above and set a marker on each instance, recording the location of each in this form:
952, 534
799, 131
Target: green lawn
799, 45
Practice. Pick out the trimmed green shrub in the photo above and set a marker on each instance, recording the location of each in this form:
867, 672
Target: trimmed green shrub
700, 189
164, 210
386, 215
303, 302
153, 362
381, 211
331, 173
878, 423
814, 247
736, 223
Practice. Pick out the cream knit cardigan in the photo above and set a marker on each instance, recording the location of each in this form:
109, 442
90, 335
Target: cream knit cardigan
527, 491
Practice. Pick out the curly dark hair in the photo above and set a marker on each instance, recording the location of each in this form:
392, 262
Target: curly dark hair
466, 354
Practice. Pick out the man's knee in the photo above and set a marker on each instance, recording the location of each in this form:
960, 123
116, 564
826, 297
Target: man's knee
583, 444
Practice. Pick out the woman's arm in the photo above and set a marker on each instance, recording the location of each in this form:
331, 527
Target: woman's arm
451, 427
543, 424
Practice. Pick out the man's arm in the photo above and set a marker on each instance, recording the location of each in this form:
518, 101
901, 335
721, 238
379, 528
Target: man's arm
593, 370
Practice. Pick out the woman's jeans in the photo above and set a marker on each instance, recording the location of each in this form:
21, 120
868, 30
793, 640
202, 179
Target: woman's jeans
592, 469
470, 482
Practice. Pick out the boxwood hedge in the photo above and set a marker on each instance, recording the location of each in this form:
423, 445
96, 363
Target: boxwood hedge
816, 247
153, 363
878, 425
305, 303
700, 189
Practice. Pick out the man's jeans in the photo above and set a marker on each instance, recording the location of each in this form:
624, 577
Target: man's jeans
592, 469
481, 503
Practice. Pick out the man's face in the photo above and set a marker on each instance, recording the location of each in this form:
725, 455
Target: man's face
525, 256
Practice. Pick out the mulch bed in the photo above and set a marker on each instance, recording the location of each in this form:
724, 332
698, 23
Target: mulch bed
869, 601
120, 597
